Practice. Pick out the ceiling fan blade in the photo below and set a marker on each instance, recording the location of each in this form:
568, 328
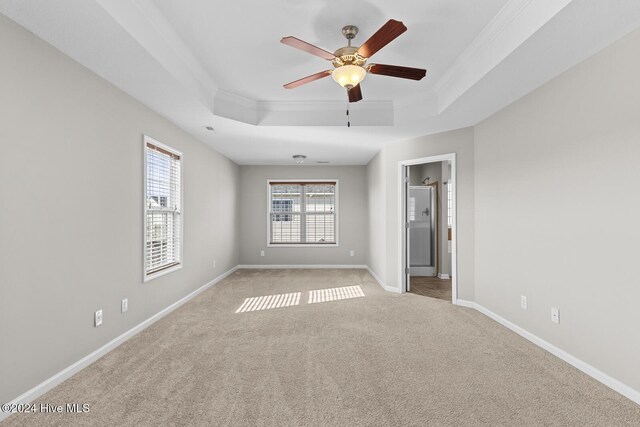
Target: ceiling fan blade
307, 47
385, 35
355, 93
397, 71
307, 79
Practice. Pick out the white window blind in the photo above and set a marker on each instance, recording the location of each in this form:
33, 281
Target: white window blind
163, 206
302, 213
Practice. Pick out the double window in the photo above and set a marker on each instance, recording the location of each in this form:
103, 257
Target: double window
163, 209
303, 213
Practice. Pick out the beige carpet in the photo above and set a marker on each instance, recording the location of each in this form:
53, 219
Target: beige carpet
382, 359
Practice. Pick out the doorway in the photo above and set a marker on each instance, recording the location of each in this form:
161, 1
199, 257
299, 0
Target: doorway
427, 227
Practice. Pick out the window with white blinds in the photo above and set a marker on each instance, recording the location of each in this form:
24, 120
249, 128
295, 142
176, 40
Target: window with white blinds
303, 213
163, 209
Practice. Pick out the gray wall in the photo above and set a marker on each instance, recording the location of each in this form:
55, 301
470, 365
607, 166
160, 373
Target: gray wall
352, 212
71, 171
377, 195
382, 176
557, 207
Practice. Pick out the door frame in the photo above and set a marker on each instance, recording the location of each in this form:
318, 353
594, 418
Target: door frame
402, 215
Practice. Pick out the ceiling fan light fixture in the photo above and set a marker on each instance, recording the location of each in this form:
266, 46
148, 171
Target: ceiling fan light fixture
349, 76
350, 62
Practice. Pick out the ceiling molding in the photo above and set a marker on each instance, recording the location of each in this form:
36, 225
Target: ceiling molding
296, 113
516, 22
235, 107
323, 105
364, 113
150, 28
141, 54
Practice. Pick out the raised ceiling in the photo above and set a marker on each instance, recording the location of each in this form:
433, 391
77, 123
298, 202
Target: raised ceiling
244, 55
221, 64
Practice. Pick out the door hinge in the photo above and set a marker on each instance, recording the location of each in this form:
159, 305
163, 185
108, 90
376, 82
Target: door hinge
406, 179
406, 270
406, 225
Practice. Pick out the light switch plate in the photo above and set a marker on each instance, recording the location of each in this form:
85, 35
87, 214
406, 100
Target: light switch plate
125, 305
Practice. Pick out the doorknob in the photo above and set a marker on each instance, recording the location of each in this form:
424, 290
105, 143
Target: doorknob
425, 212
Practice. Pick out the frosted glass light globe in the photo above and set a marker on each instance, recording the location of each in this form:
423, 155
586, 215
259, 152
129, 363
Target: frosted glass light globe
349, 76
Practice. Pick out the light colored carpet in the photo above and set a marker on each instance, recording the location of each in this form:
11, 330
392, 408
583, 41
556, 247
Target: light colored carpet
382, 359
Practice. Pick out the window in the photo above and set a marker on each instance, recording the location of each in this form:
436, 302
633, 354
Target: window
282, 205
163, 209
302, 213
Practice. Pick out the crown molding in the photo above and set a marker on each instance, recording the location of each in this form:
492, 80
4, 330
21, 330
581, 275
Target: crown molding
131, 45
296, 113
516, 22
235, 107
150, 28
513, 25
323, 105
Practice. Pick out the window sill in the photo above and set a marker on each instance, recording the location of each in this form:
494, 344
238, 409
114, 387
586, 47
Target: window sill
301, 245
149, 277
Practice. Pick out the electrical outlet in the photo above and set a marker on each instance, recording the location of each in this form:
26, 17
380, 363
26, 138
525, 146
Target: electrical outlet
261, 253
214, 263
125, 305
352, 253
555, 315
98, 318
523, 302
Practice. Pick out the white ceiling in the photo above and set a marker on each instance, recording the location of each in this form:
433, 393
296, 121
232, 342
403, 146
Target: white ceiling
222, 64
238, 42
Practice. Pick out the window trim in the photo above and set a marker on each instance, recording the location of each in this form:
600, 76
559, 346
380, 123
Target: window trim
304, 245
168, 269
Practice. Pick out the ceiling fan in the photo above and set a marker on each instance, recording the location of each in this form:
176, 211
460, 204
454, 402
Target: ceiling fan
350, 62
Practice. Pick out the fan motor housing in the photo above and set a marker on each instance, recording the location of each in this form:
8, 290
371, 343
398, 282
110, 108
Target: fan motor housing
348, 56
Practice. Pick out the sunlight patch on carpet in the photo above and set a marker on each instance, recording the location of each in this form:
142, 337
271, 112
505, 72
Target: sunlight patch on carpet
335, 294
269, 301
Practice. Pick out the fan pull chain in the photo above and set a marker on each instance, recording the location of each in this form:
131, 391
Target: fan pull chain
348, 119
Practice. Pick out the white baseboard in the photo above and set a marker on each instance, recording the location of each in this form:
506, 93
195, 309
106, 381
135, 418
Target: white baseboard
443, 276
593, 372
323, 266
381, 283
69, 371
301, 266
